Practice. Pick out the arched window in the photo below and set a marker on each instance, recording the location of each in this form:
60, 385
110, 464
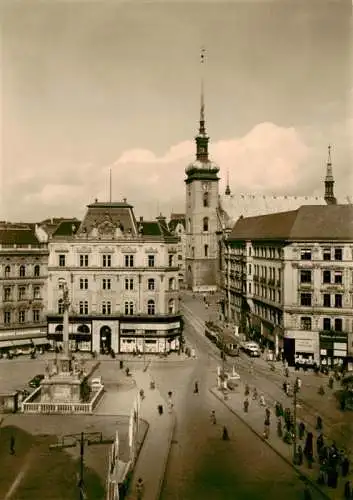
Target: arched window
189, 225
22, 271
193, 252
150, 284
171, 283
59, 328
151, 308
83, 329
205, 199
36, 270
205, 223
171, 306
206, 250
7, 271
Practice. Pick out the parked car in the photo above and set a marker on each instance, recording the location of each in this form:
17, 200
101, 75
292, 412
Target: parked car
252, 349
36, 380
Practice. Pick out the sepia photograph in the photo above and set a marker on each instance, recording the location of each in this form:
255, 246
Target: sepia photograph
176, 250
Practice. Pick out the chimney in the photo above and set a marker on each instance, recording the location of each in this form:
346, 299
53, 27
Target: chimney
141, 218
124, 200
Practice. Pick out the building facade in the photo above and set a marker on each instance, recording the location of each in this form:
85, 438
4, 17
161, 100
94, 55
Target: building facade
23, 290
177, 227
202, 223
288, 282
123, 281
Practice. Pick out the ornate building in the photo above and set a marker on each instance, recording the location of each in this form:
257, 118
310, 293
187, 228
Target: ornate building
123, 281
202, 222
288, 281
23, 279
177, 228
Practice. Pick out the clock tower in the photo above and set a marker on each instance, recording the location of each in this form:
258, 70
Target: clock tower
202, 223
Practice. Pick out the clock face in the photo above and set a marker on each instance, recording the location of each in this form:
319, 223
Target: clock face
205, 186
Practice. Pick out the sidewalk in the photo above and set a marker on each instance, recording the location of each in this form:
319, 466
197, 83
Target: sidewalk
254, 419
153, 458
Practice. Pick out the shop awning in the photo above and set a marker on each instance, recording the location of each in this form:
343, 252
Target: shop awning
42, 341
5, 344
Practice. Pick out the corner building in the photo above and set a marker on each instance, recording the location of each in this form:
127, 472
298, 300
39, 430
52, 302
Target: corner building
202, 224
123, 281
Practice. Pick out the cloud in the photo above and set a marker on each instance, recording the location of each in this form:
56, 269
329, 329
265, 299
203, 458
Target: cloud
269, 158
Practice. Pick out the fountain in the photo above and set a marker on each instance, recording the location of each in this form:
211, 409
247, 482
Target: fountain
62, 389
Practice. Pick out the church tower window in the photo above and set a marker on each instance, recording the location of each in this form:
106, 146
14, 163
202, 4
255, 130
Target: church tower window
205, 223
205, 199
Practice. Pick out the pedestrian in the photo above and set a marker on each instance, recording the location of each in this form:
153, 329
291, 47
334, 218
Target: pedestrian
319, 423
246, 405
140, 488
345, 467
254, 394
267, 428
277, 409
247, 390
348, 490
301, 430
300, 455
330, 382
213, 416
196, 388
225, 435
262, 400
12, 445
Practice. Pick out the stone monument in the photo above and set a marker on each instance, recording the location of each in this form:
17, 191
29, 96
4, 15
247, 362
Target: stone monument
63, 379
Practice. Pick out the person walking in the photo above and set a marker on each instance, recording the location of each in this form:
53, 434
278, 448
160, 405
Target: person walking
225, 435
12, 445
140, 488
301, 430
196, 388
213, 417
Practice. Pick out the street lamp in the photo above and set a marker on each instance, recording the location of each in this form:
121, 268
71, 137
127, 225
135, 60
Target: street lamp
296, 389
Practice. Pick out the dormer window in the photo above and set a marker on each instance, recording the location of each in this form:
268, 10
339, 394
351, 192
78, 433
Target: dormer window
305, 254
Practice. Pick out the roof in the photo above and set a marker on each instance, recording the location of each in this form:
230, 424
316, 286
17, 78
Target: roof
67, 228
174, 223
251, 205
114, 204
18, 234
154, 228
309, 222
109, 218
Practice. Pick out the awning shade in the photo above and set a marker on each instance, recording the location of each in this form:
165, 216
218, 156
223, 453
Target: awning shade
40, 341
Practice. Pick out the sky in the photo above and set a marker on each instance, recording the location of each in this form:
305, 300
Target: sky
93, 86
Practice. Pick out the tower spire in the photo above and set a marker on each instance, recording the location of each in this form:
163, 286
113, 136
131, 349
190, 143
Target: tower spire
329, 181
202, 139
227, 191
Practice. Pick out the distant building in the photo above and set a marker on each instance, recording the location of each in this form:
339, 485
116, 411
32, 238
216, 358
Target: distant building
23, 280
288, 281
177, 228
123, 281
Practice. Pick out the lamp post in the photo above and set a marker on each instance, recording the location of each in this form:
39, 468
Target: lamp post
295, 392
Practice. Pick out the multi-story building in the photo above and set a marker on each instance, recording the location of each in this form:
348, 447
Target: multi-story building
177, 227
123, 281
289, 281
23, 279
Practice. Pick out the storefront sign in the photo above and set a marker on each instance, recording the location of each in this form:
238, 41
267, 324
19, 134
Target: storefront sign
304, 345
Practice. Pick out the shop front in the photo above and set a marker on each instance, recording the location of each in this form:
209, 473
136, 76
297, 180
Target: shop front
80, 335
333, 349
158, 338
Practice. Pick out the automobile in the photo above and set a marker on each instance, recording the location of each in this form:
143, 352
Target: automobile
252, 349
36, 380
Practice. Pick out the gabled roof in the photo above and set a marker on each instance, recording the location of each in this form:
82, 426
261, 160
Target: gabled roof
154, 228
67, 228
18, 234
309, 222
115, 215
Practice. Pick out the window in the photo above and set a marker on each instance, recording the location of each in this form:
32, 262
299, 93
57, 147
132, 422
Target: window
305, 299
180, 257
171, 306
36, 292
129, 307
21, 316
327, 324
305, 323
193, 252
171, 283
106, 283
129, 284
21, 293
338, 277
205, 200
22, 271
249, 251
150, 284
129, 261
7, 271
106, 307
151, 307
7, 317
60, 306
326, 277
83, 283
305, 254
83, 260
249, 268
338, 300
327, 253
338, 324
83, 307
171, 260
36, 271
205, 223
36, 315
327, 300
305, 276
338, 253
249, 287
151, 261
206, 250
107, 260
7, 293
62, 260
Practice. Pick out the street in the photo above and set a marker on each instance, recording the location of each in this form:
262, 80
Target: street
201, 465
